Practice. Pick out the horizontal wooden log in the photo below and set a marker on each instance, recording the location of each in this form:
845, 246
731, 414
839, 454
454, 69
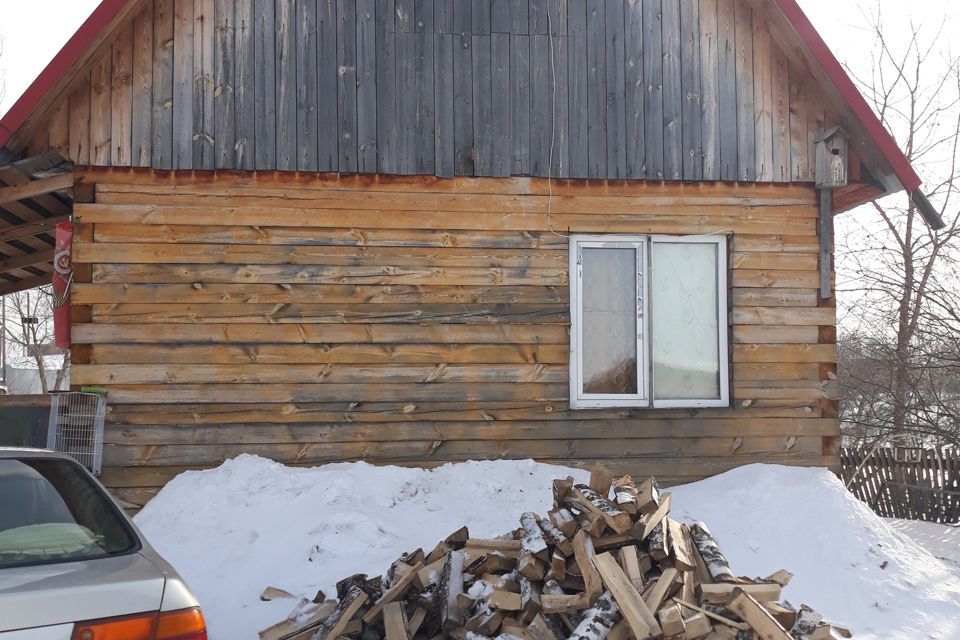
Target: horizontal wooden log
15, 263
160, 253
774, 297
330, 313
413, 392
668, 472
345, 237
198, 293
326, 354
785, 316
34, 188
785, 353
776, 243
737, 218
35, 228
26, 283
85, 333
225, 183
314, 274
786, 261
490, 411
460, 450
489, 431
757, 334
774, 278
743, 371
322, 374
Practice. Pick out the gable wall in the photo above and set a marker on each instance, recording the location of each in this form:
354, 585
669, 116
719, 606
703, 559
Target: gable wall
648, 89
414, 320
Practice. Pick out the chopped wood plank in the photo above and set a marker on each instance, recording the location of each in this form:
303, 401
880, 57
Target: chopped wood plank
721, 593
595, 503
601, 478
753, 613
598, 620
656, 517
396, 590
640, 618
715, 561
584, 553
337, 622
395, 622
665, 583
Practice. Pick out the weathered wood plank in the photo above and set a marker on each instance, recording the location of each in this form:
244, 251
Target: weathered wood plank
519, 17
286, 83
763, 98
265, 83
746, 135
100, 114
79, 118
616, 91
781, 115
307, 91
142, 79
520, 105
500, 19
244, 87
224, 69
482, 103
501, 147
799, 160
347, 85
577, 77
444, 103
121, 99
388, 160
692, 109
542, 125
673, 98
635, 92
727, 89
463, 104
653, 104
204, 84
710, 89
596, 89
367, 87
407, 101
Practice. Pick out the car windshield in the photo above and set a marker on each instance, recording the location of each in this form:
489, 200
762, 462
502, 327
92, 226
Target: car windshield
52, 511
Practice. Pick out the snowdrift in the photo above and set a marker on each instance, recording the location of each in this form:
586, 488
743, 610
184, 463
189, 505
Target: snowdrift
250, 523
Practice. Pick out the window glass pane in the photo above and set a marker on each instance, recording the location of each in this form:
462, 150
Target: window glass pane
684, 322
609, 301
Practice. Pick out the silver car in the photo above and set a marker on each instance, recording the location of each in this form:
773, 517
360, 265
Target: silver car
74, 567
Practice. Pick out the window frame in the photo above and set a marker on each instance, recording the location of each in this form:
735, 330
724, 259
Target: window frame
646, 334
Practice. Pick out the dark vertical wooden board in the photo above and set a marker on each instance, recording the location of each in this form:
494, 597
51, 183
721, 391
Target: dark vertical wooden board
367, 86
596, 89
482, 106
387, 153
100, 124
710, 90
204, 41
635, 89
501, 107
616, 91
141, 128
653, 108
443, 105
405, 13
307, 91
801, 165
463, 136
79, 118
224, 114
163, 124
557, 17
690, 79
520, 17
406, 102
443, 16
762, 99
183, 85
244, 92
560, 107
577, 78
746, 150
727, 89
424, 70
462, 16
265, 85
520, 105
327, 86
286, 76
673, 97
781, 115
347, 85
500, 21
541, 124
538, 16
481, 17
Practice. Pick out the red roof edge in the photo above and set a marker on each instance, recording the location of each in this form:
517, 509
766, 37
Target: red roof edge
851, 95
76, 46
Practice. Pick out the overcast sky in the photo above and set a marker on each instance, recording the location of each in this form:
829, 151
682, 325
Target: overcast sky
33, 31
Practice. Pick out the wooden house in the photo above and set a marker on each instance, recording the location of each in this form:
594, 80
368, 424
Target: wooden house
420, 231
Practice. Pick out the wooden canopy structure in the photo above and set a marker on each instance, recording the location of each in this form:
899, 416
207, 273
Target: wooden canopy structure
35, 196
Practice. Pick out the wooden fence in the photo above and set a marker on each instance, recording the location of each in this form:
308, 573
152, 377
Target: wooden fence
915, 484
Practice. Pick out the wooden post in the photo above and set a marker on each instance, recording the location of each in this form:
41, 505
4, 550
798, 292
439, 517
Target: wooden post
826, 242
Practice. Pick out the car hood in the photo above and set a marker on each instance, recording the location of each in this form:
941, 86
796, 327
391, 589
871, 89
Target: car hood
73, 591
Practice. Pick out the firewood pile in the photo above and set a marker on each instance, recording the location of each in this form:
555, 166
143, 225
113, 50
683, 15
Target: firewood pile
606, 562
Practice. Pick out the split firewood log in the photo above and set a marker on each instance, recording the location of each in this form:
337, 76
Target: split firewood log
716, 562
598, 620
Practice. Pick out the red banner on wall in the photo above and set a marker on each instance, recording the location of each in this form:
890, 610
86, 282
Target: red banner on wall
62, 281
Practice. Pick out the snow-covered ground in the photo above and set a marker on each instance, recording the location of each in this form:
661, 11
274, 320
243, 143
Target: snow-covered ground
250, 523
942, 540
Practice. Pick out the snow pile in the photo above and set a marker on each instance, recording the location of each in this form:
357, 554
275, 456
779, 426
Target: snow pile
942, 540
250, 523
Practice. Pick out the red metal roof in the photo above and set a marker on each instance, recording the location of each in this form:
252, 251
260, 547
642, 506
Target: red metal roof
87, 34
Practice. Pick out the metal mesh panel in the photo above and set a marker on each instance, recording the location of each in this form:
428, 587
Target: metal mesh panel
76, 427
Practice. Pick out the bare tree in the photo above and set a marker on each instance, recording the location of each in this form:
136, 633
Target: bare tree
28, 326
898, 277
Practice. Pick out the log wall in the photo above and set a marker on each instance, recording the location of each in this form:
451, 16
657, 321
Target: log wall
313, 318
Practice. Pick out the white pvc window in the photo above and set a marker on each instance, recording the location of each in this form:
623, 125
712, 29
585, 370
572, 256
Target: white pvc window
648, 321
